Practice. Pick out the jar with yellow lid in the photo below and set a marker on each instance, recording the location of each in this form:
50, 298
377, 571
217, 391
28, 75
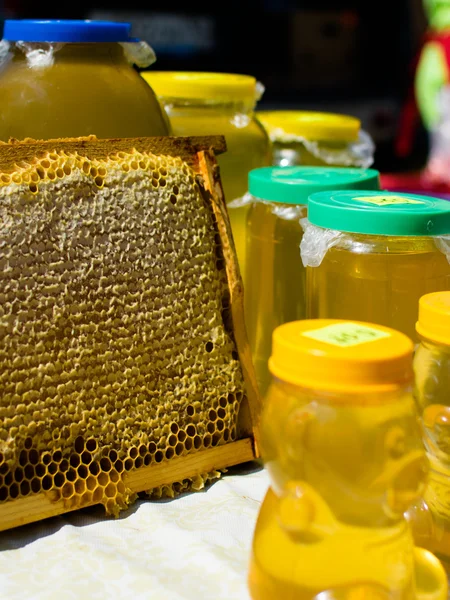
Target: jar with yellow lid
372, 255
431, 517
275, 277
341, 443
75, 78
315, 138
219, 103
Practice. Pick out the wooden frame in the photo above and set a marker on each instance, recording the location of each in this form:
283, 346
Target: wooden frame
199, 153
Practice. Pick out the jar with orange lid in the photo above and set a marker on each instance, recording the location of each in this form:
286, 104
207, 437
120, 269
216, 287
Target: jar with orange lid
341, 443
75, 78
431, 517
316, 138
219, 103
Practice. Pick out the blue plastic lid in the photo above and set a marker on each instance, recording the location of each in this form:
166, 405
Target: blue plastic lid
30, 30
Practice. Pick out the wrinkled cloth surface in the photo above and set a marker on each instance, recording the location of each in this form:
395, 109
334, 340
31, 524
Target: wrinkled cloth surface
194, 547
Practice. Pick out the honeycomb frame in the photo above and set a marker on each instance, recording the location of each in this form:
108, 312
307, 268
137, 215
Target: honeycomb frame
116, 375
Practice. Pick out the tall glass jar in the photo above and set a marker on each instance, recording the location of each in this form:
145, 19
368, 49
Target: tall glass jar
315, 138
276, 279
219, 103
75, 78
341, 444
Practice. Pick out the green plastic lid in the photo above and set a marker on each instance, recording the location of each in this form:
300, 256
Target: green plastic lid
294, 185
380, 213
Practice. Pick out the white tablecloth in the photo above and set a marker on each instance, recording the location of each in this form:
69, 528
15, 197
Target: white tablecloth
194, 547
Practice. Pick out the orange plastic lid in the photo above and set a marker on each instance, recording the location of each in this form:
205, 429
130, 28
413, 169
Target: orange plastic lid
434, 317
340, 355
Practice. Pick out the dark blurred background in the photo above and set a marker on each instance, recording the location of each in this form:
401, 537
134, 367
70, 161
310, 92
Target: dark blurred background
309, 54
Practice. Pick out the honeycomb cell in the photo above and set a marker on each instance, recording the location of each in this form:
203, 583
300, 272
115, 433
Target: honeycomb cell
190, 430
82, 471
91, 483
80, 486
127, 302
105, 464
13, 490
86, 457
103, 479
91, 445
58, 480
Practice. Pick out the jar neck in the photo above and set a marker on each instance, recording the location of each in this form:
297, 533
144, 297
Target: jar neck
210, 105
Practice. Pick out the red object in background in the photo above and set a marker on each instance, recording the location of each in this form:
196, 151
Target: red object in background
413, 183
410, 115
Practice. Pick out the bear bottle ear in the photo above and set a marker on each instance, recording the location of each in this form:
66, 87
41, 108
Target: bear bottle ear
296, 510
303, 515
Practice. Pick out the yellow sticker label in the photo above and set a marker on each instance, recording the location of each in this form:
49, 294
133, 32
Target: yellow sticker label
387, 200
346, 334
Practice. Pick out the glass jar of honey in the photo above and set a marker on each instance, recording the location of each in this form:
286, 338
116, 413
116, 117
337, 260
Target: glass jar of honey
275, 277
372, 255
316, 138
75, 78
213, 104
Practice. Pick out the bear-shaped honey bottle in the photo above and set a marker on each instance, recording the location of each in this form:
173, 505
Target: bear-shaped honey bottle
341, 443
430, 517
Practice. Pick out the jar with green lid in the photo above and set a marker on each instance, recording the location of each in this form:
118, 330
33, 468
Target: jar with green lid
75, 78
219, 103
275, 277
315, 138
431, 516
372, 255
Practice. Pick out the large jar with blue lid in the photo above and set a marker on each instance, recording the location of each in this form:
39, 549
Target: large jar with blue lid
371, 256
75, 78
275, 276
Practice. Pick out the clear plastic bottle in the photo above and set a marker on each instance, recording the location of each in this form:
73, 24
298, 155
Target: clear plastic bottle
371, 256
275, 277
431, 517
75, 78
342, 447
219, 103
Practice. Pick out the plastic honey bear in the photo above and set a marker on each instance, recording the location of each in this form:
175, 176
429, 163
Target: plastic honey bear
431, 515
342, 447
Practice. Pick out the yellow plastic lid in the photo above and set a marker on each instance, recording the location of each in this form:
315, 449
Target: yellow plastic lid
202, 86
434, 317
310, 125
338, 355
